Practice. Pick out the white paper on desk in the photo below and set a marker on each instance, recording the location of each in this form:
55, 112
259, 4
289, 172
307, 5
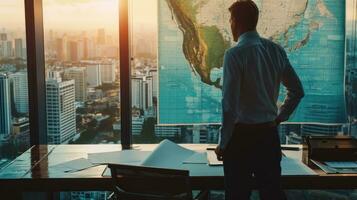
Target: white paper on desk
212, 159
342, 165
74, 165
168, 155
294, 167
119, 157
197, 158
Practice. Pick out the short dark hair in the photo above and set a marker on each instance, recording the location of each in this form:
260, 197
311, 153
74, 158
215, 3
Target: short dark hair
245, 12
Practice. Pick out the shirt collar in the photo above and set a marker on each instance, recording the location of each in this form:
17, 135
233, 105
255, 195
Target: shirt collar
248, 36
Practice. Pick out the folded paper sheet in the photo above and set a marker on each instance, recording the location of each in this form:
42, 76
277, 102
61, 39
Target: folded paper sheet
74, 165
119, 157
168, 155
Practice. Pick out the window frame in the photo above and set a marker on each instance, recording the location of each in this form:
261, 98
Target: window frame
36, 72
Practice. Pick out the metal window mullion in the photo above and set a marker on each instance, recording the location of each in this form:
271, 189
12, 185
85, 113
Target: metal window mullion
125, 89
36, 71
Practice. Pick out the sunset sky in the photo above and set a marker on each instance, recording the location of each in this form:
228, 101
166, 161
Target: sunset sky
77, 14
84, 14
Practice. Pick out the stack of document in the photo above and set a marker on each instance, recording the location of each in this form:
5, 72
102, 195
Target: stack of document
337, 167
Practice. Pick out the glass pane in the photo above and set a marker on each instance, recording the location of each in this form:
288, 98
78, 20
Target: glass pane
82, 75
82, 71
351, 60
145, 82
176, 92
14, 108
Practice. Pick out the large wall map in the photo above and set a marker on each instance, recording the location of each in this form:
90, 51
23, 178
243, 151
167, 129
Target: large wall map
194, 34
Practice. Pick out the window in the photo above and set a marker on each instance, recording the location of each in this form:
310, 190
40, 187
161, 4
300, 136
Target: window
176, 93
351, 68
82, 71
14, 105
82, 75
148, 86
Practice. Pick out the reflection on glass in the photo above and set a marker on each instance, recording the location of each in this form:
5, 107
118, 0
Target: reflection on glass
82, 71
351, 65
82, 75
14, 121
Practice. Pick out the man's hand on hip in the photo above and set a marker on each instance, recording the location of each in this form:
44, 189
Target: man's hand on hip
219, 153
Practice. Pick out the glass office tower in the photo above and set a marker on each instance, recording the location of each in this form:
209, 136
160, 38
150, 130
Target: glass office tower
5, 107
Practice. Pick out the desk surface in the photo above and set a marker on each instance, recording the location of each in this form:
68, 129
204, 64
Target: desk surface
33, 171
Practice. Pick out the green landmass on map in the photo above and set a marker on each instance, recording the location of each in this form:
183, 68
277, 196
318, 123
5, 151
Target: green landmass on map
203, 46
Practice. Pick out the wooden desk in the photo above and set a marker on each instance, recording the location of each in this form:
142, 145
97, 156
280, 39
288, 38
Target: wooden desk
32, 171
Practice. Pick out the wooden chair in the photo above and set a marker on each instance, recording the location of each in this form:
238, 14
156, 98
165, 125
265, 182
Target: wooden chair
146, 183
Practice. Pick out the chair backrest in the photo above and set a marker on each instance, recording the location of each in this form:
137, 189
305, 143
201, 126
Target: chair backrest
146, 183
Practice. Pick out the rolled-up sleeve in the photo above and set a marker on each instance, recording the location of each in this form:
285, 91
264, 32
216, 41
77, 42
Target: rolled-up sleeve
294, 88
230, 100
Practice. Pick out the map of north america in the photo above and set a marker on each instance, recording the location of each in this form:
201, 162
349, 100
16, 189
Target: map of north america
193, 36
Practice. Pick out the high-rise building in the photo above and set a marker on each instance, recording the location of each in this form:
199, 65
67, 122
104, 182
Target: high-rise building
85, 48
18, 48
199, 134
155, 86
78, 74
93, 74
3, 36
61, 116
21, 132
137, 125
142, 93
321, 129
167, 131
5, 107
73, 51
80, 49
101, 36
20, 91
59, 49
7, 49
107, 72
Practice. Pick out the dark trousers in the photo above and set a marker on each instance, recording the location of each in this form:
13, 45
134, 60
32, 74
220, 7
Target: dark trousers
254, 151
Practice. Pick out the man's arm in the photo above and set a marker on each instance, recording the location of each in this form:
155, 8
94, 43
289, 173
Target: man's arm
295, 91
230, 91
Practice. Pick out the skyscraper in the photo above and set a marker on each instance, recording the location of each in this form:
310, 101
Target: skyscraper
73, 51
101, 36
61, 118
20, 91
7, 49
3, 36
78, 74
107, 72
142, 93
93, 74
18, 48
5, 106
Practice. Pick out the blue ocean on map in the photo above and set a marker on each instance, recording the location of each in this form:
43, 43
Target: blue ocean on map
320, 62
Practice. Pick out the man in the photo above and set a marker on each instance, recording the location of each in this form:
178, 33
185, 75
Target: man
252, 72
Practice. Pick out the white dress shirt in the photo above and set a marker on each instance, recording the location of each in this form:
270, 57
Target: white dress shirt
252, 73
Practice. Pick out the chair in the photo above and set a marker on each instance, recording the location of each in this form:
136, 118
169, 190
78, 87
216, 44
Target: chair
146, 183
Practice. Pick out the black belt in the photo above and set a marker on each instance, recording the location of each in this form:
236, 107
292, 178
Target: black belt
270, 124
